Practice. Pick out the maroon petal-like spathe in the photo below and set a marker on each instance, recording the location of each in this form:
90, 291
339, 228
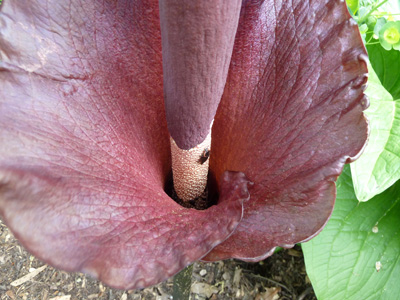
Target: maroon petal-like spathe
84, 146
290, 118
84, 150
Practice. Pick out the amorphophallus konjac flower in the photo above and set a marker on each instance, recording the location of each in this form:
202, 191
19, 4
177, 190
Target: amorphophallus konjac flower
95, 95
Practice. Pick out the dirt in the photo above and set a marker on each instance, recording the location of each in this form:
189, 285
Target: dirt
279, 277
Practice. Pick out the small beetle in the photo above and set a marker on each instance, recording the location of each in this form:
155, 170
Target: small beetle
204, 156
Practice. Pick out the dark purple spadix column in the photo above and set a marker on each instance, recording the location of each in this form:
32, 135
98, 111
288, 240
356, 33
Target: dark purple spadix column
197, 43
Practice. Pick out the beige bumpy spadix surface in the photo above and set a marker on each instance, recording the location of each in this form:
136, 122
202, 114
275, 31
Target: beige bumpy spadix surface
190, 169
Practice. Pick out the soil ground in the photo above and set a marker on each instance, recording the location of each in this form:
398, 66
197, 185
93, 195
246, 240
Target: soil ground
279, 277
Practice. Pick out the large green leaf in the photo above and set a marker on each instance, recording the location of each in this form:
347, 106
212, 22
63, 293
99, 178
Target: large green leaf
387, 66
379, 166
357, 255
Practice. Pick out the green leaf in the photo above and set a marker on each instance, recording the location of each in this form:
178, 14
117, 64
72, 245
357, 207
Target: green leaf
357, 255
387, 66
379, 166
353, 5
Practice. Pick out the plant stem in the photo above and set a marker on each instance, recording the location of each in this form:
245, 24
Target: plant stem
388, 14
369, 40
365, 17
183, 283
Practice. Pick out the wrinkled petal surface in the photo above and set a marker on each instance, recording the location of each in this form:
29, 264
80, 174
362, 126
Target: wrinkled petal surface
84, 147
84, 150
290, 117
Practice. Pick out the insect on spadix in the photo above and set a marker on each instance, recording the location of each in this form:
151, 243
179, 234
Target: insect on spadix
204, 156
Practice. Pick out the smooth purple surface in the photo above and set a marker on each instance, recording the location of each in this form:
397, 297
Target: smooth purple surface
84, 145
197, 42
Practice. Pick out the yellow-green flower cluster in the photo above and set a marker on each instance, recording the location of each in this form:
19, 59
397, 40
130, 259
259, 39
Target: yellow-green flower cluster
389, 35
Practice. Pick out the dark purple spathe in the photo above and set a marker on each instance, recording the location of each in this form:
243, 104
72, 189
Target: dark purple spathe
84, 145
